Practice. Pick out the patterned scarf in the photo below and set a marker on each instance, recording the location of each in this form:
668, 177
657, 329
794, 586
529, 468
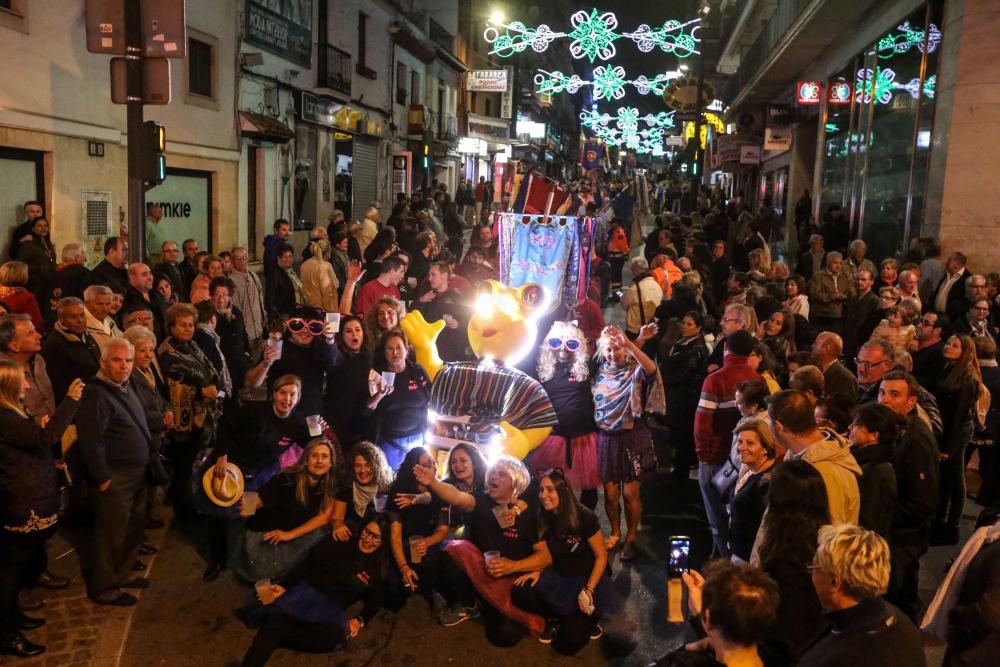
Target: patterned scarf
618, 395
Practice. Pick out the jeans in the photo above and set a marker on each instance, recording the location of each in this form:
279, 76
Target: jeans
715, 509
951, 490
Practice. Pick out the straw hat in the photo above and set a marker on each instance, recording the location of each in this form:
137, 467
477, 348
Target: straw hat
224, 492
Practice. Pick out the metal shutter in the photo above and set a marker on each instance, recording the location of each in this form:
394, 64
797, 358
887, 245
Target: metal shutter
365, 175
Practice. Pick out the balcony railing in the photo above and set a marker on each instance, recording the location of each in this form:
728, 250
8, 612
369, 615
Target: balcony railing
447, 127
441, 37
338, 70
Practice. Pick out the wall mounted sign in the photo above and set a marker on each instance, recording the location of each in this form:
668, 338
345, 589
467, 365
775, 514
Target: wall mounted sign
807, 92
840, 92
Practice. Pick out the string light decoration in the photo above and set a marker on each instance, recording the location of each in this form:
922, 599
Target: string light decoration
593, 37
608, 83
882, 83
905, 38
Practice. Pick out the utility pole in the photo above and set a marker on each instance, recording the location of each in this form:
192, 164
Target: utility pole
136, 147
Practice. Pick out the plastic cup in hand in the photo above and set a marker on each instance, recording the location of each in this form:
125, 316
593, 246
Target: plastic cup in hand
333, 319
415, 556
315, 427
264, 592
448, 319
388, 378
490, 556
249, 507
275, 343
412, 282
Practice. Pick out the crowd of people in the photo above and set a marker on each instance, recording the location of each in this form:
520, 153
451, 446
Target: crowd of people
828, 414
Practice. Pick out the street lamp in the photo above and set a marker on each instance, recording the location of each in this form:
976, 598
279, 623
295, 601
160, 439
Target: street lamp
497, 17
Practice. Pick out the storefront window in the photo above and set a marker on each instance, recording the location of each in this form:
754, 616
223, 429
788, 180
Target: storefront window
876, 149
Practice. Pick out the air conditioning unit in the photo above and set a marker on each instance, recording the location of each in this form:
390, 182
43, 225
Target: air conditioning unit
96, 214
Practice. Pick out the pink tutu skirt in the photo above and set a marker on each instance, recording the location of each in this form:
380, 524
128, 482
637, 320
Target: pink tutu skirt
579, 464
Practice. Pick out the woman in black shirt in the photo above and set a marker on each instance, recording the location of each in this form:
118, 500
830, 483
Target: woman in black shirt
308, 610
564, 371
755, 446
874, 433
574, 590
397, 413
417, 528
291, 513
683, 371
466, 472
347, 384
366, 474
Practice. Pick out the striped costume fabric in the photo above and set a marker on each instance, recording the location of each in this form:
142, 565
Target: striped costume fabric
491, 393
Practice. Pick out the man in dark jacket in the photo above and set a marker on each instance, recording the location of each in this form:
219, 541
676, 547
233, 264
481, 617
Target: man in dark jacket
282, 288
916, 462
170, 269
272, 245
140, 292
111, 270
69, 351
114, 441
949, 295
837, 380
188, 267
861, 313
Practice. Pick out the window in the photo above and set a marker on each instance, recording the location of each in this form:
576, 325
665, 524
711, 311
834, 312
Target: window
400, 83
362, 38
14, 15
415, 87
202, 86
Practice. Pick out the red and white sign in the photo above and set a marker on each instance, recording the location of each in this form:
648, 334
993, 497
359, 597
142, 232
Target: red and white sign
840, 92
807, 92
486, 81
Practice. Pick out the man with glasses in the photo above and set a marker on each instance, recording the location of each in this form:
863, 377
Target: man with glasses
249, 298
928, 360
977, 321
875, 359
168, 267
737, 317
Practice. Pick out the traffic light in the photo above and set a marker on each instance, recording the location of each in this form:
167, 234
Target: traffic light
154, 163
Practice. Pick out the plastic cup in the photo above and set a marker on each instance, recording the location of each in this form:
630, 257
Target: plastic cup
334, 319
264, 591
491, 556
415, 556
275, 344
249, 507
388, 378
315, 427
412, 282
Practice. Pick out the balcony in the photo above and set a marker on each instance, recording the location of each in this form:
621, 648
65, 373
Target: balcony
441, 37
447, 127
338, 71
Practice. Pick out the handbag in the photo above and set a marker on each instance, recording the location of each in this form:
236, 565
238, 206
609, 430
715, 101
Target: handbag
724, 481
156, 469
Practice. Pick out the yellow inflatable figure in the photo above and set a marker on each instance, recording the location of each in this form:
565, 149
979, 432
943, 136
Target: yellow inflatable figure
502, 331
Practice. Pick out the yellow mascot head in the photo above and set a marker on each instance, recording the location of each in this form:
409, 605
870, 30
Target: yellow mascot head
503, 326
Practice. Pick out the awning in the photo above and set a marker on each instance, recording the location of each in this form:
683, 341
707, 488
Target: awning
264, 128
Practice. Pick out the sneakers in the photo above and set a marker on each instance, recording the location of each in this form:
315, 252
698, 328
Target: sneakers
549, 633
455, 615
438, 606
597, 631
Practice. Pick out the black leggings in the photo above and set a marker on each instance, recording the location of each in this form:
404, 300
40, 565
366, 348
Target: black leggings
284, 632
18, 552
951, 490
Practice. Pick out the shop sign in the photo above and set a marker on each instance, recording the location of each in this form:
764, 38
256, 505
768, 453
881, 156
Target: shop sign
400, 171
749, 154
507, 99
841, 92
473, 146
528, 127
185, 198
317, 110
779, 115
283, 27
486, 81
807, 92
490, 129
777, 138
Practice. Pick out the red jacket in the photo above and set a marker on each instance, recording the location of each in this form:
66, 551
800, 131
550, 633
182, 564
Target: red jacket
20, 300
717, 413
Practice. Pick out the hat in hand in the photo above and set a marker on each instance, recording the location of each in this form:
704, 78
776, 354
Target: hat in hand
225, 491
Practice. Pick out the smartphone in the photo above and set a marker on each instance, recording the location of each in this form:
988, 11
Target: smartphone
618, 293
680, 550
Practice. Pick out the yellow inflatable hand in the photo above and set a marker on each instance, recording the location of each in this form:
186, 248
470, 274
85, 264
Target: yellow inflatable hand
423, 338
519, 443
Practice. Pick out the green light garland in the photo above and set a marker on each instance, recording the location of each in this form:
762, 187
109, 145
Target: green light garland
608, 83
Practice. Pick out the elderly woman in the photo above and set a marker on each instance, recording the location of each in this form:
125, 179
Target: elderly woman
624, 444
319, 282
151, 388
856, 260
15, 295
192, 386
683, 371
40, 256
29, 499
755, 446
364, 476
209, 269
850, 573
564, 371
397, 412
501, 527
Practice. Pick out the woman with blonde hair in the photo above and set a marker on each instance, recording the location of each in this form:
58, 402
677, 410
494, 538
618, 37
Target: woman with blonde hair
757, 452
319, 283
15, 295
383, 316
29, 499
563, 369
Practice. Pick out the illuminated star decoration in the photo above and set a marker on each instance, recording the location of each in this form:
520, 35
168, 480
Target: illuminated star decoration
593, 119
594, 35
608, 83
